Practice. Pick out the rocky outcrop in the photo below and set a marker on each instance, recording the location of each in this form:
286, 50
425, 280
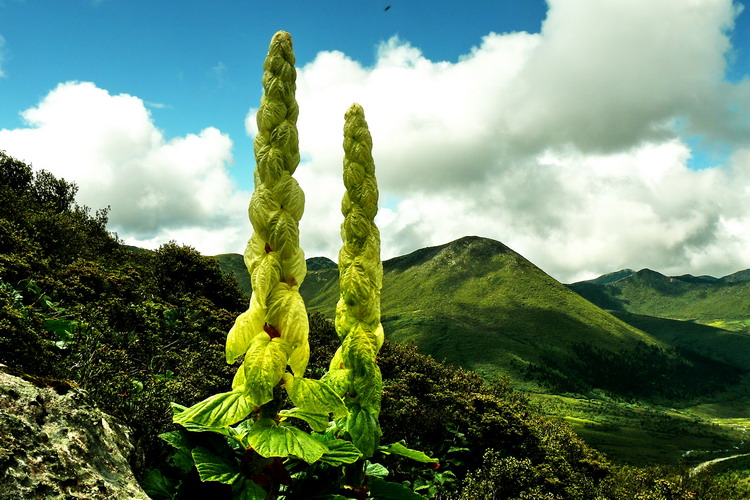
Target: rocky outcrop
54, 445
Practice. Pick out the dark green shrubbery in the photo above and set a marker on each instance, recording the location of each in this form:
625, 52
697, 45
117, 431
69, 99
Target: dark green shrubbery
135, 329
647, 372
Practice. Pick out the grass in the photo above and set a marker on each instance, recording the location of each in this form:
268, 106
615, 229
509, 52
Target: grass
234, 263
641, 435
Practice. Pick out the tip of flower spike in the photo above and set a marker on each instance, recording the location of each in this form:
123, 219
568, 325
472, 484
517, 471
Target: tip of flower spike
281, 35
282, 43
354, 109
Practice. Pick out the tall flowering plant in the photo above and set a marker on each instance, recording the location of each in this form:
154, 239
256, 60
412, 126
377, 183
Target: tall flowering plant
265, 448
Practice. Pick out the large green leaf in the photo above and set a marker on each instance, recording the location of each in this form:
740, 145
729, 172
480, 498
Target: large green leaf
376, 470
401, 450
220, 410
264, 366
315, 396
364, 430
386, 490
369, 389
212, 467
265, 276
271, 440
182, 458
245, 489
358, 350
158, 486
339, 452
317, 421
246, 327
293, 322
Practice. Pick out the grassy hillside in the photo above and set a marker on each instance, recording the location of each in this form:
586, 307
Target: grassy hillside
724, 302
478, 304
724, 345
234, 264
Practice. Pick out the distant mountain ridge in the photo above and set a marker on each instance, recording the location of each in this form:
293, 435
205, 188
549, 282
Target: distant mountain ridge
723, 302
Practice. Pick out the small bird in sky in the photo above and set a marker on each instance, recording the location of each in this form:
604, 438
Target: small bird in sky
387, 7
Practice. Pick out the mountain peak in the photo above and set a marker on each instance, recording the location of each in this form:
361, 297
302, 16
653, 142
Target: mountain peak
472, 247
612, 277
319, 263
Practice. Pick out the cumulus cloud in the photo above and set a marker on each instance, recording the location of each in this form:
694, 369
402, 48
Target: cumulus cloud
570, 145
158, 189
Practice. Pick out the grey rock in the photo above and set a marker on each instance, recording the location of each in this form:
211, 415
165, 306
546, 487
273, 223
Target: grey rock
54, 445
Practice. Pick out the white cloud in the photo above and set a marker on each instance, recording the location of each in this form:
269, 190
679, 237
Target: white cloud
564, 145
158, 189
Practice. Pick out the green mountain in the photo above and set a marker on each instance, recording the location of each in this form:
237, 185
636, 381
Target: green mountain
478, 304
234, 264
723, 302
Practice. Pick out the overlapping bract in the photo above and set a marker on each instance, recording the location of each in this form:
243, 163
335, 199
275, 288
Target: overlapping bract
353, 372
272, 333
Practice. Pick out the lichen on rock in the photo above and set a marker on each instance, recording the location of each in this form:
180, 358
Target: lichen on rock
55, 445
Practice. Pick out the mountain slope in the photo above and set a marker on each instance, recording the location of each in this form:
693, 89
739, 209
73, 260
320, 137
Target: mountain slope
476, 303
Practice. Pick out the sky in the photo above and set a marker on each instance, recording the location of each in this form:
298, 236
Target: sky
587, 136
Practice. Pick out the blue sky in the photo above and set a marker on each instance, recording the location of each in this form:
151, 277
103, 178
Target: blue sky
198, 63
588, 137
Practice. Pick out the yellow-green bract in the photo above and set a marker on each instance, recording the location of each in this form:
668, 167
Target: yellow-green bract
272, 333
353, 372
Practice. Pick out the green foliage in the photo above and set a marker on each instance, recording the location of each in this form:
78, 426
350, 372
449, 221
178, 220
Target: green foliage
647, 372
182, 274
77, 305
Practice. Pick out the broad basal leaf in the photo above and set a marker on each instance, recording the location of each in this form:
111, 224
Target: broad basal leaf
339, 452
182, 457
220, 410
386, 490
318, 422
157, 485
245, 489
271, 440
376, 470
215, 468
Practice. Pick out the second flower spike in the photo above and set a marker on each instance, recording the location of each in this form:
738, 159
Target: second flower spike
353, 371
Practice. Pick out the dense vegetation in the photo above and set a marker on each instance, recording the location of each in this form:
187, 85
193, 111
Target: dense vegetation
139, 329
